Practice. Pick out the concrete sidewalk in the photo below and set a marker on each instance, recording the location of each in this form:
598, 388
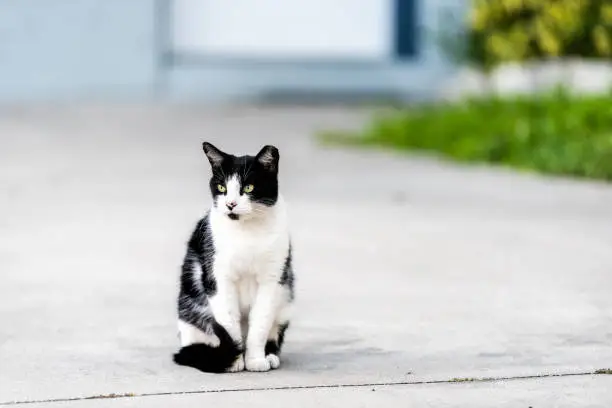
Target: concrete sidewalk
409, 270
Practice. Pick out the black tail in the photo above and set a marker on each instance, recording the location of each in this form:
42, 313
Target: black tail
210, 359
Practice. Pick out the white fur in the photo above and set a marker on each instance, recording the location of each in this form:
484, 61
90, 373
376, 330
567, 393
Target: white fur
266, 158
244, 207
189, 334
238, 365
233, 191
249, 257
273, 360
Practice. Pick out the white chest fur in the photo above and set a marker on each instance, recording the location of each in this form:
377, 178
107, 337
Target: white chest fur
251, 249
251, 252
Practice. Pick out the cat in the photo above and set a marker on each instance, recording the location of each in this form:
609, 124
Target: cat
237, 282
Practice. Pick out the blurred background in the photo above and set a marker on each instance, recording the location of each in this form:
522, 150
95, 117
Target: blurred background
548, 61
487, 270
217, 51
214, 50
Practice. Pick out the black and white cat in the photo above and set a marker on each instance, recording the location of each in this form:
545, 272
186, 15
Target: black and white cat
236, 286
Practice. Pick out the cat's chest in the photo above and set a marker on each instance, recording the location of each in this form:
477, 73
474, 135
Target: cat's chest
247, 251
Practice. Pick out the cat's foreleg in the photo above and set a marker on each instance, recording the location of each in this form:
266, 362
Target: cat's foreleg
275, 343
226, 310
261, 321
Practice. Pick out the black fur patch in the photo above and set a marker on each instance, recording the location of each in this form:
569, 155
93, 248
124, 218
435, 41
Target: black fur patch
274, 347
210, 359
287, 278
195, 290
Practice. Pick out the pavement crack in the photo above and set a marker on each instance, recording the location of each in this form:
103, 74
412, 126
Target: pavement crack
603, 371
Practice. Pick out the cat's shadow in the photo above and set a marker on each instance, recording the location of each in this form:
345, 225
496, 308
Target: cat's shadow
325, 356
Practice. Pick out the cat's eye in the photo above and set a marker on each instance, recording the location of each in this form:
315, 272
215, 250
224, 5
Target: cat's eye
221, 188
248, 188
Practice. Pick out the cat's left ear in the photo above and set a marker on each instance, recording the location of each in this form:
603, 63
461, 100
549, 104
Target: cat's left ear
268, 157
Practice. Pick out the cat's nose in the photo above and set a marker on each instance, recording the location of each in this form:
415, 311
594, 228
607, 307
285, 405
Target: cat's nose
231, 204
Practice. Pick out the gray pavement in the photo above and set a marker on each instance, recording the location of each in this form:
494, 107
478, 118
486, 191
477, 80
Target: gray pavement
410, 269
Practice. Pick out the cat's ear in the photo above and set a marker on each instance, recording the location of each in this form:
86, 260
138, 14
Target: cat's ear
268, 157
215, 156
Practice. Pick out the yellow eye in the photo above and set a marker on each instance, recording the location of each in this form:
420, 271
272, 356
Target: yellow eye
221, 188
248, 188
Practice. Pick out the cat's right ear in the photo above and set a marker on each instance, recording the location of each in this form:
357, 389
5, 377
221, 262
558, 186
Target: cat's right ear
214, 155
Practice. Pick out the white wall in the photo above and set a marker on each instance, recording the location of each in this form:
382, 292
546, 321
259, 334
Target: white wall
317, 29
212, 79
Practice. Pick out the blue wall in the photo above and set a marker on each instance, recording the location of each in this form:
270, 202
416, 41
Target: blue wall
63, 50
67, 49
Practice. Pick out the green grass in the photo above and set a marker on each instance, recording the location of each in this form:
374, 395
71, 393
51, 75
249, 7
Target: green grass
555, 133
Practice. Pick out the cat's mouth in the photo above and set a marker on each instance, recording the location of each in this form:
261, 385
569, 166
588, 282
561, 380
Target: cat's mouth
233, 216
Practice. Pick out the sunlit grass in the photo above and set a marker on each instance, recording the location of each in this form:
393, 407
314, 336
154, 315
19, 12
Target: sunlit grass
555, 133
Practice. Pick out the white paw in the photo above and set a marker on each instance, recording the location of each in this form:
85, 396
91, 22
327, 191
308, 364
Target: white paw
273, 360
238, 365
258, 364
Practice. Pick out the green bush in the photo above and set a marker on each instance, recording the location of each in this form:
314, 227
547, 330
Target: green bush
518, 30
556, 133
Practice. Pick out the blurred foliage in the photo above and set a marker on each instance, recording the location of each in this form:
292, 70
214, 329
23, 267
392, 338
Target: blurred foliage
555, 133
518, 30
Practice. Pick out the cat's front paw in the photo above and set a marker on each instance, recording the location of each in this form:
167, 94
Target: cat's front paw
238, 365
258, 364
273, 360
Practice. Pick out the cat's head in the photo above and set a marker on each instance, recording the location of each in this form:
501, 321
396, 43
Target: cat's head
246, 186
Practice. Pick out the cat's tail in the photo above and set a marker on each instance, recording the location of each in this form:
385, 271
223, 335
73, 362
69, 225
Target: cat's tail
207, 358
